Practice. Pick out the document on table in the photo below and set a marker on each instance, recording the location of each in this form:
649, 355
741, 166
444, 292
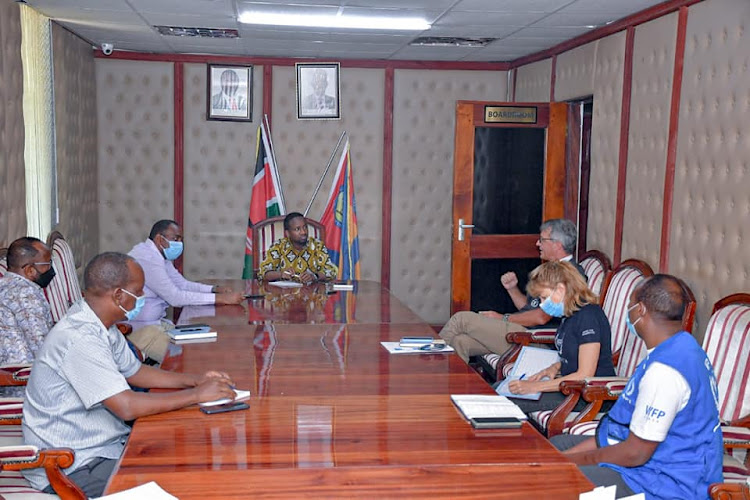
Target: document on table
285, 284
395, 348
484, 406
151, 490
607, 493
530, 361
239, 396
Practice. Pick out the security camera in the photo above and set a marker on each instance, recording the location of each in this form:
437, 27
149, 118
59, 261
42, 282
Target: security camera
107, 49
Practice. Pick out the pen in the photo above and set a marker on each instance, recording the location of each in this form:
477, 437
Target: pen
522, 377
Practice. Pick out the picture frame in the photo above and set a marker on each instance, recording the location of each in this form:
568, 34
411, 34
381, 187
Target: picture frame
229, 94
318, 91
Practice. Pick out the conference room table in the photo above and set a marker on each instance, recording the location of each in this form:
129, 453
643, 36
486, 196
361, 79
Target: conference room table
332, 414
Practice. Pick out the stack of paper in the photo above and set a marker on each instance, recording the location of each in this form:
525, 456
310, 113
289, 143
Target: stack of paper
395, 348
481, 406
285, 284
177, 335
239, 395
151, 490
530, 361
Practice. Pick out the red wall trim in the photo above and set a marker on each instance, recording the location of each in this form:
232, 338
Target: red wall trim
552, 79
286, 61
267, 92
179, 150
627, 85
674, 115
631, 21
385, 252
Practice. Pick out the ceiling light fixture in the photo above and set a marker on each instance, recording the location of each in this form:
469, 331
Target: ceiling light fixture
335, 21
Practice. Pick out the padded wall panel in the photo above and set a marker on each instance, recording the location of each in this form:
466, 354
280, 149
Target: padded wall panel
423, 139
533, 81
575, 72
653, 66
12, 186
75, 134
219, 167
135, 150
710, 243
605, 142
304, 146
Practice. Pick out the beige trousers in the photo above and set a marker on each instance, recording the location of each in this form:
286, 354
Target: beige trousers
472, 334
152, 340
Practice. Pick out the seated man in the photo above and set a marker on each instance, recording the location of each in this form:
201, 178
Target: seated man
297, 257
474, 334
662, 436
25, 316
165, 286
78, 395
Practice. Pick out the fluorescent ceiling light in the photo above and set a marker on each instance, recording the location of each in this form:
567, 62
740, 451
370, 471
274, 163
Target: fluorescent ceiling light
335, 21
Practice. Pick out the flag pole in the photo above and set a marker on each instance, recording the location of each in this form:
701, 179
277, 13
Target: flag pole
320, 182
273, 155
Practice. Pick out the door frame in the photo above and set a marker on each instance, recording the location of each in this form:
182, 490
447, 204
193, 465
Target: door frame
469, 115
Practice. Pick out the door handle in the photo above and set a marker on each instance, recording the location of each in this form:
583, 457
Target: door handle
461, 227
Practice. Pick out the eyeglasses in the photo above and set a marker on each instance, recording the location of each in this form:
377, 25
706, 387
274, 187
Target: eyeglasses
39, 264
437, 345
545, 239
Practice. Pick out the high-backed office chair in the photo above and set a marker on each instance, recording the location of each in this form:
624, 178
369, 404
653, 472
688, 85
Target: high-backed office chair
268, 231
596, 265
3, 261
62, 256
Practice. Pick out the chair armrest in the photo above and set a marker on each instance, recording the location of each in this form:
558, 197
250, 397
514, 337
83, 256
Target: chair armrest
519, 339
18, 458
125, 328
15, 374
729, 491
572, 390
11, 411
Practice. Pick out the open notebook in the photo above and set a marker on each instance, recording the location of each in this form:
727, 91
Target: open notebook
531, 360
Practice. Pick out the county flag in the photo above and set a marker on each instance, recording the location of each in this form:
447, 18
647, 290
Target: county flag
265, 197
340, 220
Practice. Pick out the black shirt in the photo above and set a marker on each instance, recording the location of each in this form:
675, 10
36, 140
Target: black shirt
587, 325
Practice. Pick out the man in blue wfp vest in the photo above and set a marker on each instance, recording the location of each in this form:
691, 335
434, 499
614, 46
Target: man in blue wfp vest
662, 436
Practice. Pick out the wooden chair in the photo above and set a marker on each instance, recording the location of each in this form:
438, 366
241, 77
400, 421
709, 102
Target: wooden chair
14, 459
597, 266
729, 491
267, 232
3, 261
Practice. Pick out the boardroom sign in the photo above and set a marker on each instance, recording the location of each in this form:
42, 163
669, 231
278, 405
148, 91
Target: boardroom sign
509, 114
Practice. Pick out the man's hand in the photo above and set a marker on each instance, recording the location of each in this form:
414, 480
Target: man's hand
288, 274
308, 277
213, 374
229, 298
491, 314
221, 289
509, 280
214, 388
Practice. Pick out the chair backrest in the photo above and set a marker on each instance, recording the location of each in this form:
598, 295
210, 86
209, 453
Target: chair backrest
618, 286
62, 256
727, 343
596, 265
3, 261
266, 232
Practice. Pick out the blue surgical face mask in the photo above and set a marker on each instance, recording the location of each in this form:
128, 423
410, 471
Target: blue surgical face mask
554, 309
139, 303
631, 326
174, 250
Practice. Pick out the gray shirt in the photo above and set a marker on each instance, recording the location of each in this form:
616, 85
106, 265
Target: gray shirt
80, 365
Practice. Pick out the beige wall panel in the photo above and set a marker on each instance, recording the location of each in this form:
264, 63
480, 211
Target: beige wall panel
424, 128
533, 81
135, 130
75, 134
303, 148
605, 142
653, 66
710, 244
219, 166
574, 73
12, 186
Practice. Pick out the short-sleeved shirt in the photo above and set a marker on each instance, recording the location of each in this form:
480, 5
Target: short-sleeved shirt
81, 364
282, 255
664, 388
588, 324
25, 319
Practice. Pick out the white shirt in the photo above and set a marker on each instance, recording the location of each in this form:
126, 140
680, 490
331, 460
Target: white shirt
165, 286
662, 393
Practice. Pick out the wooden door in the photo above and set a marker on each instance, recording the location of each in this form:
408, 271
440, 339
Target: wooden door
533, 161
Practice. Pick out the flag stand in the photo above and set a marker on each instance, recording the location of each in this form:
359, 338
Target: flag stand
320, 182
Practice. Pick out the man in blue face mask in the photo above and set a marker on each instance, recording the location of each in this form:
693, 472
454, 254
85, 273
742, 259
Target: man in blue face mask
165, 287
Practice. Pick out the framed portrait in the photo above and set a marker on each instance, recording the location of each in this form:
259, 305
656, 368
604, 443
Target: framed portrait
318, 91
230, 93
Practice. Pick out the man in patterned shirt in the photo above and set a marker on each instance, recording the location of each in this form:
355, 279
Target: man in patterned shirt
25, 316
296, 256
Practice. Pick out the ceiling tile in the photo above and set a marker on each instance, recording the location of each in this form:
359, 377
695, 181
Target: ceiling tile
511, 5
489, 18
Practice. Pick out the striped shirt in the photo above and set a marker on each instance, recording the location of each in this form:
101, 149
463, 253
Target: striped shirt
80, 365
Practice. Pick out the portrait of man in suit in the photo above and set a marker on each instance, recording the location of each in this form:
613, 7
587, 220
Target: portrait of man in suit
318, 91
229, 93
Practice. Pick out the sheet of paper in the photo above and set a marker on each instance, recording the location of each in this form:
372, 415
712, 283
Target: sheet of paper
151, 490
480, 405
395, 348
239, 396
285, 284
504, 390
599, 493
532, 360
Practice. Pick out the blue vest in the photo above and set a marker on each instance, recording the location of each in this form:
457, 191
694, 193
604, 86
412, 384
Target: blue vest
690, 458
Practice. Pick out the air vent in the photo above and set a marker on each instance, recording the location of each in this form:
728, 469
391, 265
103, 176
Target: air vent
451, 41
202, 32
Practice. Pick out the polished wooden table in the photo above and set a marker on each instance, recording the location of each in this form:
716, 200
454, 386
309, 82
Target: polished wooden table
333, 415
